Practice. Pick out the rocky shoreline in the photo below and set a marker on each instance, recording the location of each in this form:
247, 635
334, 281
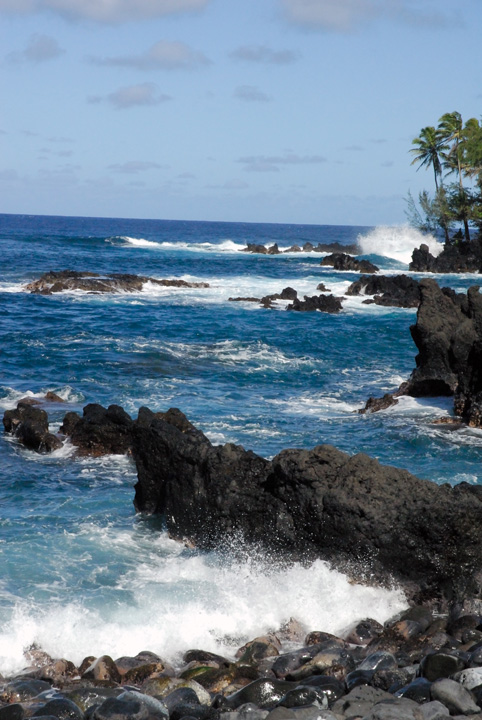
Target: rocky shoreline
418, 666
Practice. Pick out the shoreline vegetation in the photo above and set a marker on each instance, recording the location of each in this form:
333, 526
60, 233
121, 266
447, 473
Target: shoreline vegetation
453, 148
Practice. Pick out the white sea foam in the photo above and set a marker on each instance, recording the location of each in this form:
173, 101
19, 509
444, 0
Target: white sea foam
225, 246
179, 601
9, 397
397, 242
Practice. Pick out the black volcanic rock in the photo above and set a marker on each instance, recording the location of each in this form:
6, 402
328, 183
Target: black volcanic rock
378, 522
99, 431
464, 257
448, 336
323, 303
342, 261
396, 291
30, 425
62, 280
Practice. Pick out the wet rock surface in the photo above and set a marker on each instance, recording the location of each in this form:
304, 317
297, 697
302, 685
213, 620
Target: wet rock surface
460, 258
396, 291
347, 263
298, 504
448, 336
60, 281
334, 679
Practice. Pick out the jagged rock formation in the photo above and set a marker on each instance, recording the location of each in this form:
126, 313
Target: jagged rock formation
323, 303
342, 261
306, 247
464, 257
62, 280
396, 291
379, 523
448, 336
30, 425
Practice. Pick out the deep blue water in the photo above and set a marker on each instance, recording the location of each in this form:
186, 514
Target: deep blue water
82, 573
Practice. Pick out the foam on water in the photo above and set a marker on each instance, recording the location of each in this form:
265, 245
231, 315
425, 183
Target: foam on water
9, 397
179, 601
397, 242
225, 246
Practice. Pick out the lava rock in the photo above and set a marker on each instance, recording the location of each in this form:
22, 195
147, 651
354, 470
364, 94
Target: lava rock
342, 261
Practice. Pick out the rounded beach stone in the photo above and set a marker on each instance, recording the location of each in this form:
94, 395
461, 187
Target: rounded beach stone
469, 678
304, 695
433, 710
418, 690
454, 696
358, 677
440, 665
85, 697
12, 712
22, 689
264, 692
380, 660
364, 631
103, 668
180, 696
155, 707
360, 701
394, 709
115, 709
330, 686
62, 708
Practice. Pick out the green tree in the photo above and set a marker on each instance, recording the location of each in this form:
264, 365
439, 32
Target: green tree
452, 131
430, 146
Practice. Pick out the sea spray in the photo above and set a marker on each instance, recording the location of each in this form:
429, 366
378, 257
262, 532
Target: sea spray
397, 242
179, 600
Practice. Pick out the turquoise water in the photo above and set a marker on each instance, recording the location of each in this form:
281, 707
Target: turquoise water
81, 573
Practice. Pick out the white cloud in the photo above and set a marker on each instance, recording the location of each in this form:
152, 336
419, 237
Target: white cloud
163, 55
39, 49
250, 93
347, 15
132, 95
271, 163
110, 11
263, 54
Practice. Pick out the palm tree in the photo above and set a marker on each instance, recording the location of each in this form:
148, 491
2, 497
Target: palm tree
451, 130
430, 146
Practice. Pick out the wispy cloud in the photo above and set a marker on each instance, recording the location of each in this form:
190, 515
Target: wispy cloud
348, 15
108, 11
264, 54
271, 163
40, 48
133, 167
132, 95
163, 55
250, 93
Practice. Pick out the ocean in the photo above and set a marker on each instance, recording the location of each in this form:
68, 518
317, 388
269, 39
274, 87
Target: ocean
81, 572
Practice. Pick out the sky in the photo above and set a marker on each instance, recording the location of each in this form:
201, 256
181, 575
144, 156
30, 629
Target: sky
290, 111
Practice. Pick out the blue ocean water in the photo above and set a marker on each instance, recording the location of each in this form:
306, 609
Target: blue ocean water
81, 572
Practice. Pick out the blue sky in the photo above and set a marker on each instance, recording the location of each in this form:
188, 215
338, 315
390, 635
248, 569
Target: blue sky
296, 111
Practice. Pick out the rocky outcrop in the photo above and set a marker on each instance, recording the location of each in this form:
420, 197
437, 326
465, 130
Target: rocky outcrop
268, 300
99, 431
30, 425
306, 247
323, 303
342, 261
53, 282
396, 291
460, 258
448, 336
377, 522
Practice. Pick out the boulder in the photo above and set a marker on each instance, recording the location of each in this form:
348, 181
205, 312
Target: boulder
301, 503
99, 431
342, 261
30, 425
